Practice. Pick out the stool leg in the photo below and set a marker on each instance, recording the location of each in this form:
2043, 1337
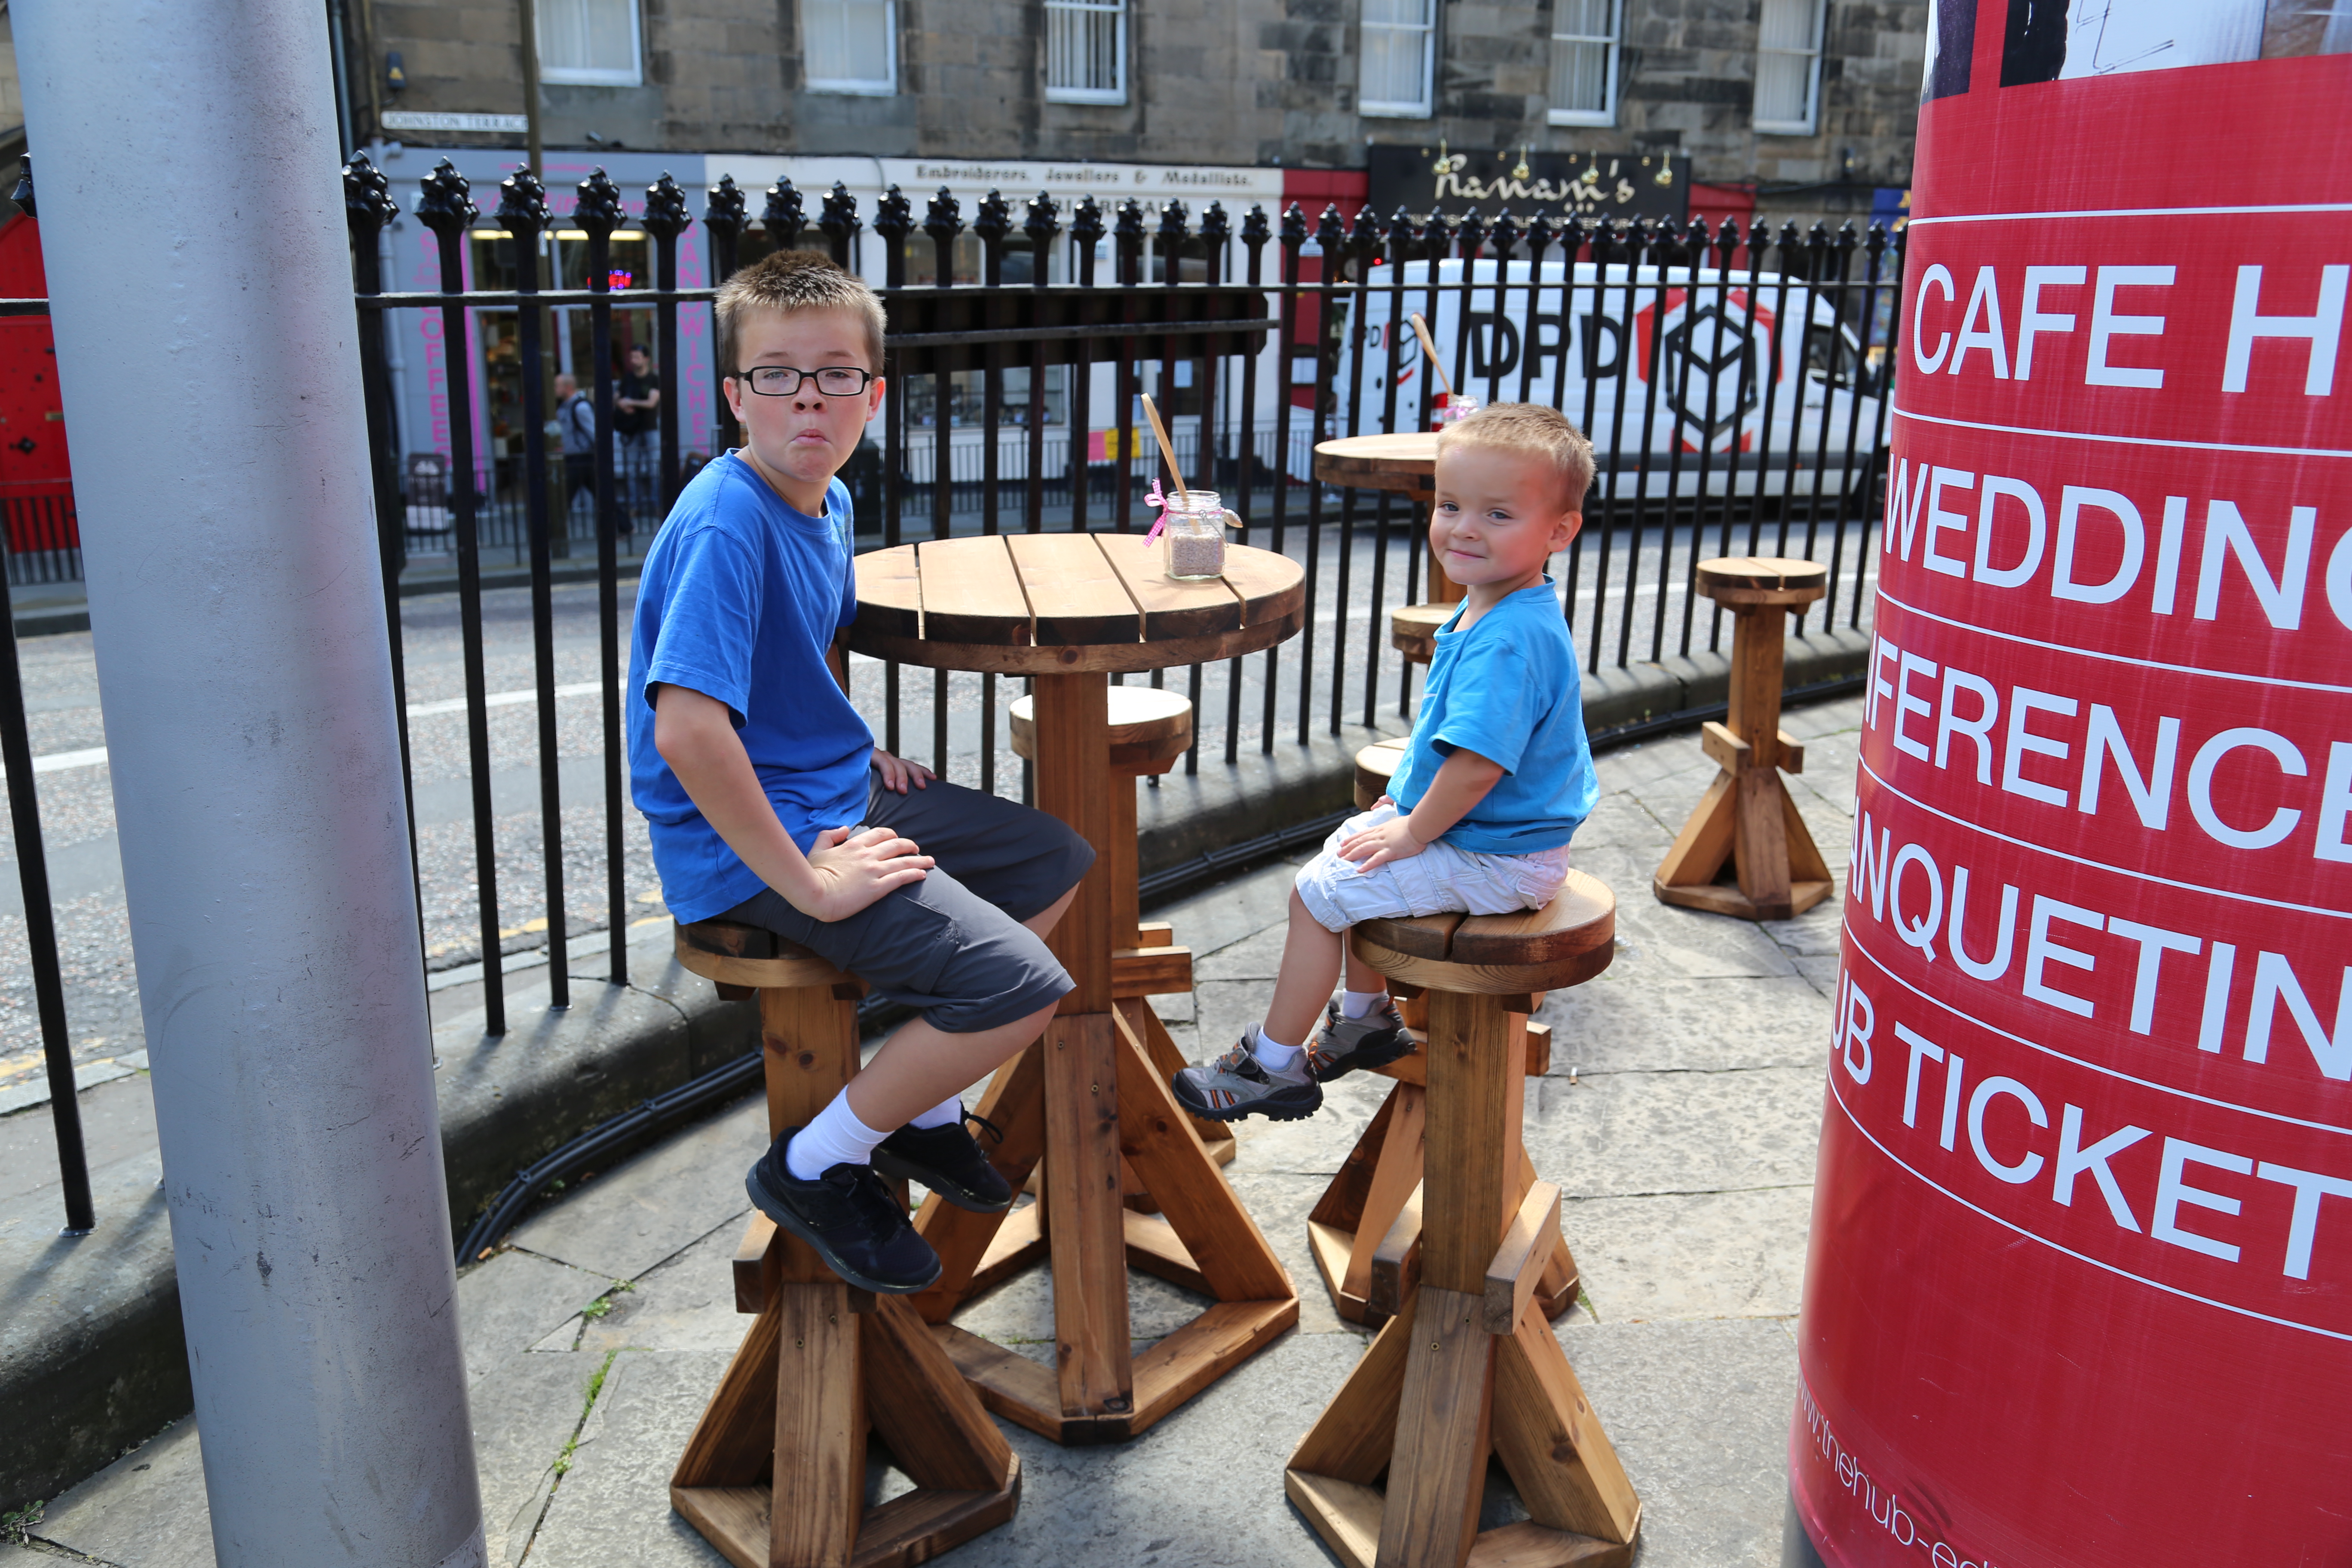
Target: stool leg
820, 1470
808, 1041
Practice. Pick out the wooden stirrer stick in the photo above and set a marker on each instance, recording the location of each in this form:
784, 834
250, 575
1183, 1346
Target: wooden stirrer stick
1166, 449
1421, 330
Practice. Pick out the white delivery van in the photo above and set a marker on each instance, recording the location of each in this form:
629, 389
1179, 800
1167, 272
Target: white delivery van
1725, 370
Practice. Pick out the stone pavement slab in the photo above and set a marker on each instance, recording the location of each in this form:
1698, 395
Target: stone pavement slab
1680, 1117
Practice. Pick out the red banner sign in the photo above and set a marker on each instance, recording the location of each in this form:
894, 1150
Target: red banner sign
2080, 1288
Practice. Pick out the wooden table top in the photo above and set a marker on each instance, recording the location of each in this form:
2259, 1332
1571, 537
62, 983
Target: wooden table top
1062, 604
1406, 462
1761, 580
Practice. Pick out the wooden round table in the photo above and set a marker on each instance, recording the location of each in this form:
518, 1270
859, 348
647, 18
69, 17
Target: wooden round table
1069, 609
1405, 462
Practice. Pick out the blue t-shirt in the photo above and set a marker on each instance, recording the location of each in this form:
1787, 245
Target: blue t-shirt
739, 599
1509, 690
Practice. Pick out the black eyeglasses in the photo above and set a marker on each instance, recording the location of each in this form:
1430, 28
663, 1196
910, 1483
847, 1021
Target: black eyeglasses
783, 380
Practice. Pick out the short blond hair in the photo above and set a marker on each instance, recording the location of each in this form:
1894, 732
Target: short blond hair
1530, 427
791, 281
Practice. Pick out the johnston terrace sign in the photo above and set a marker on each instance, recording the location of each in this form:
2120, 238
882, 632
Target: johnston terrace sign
1593, 186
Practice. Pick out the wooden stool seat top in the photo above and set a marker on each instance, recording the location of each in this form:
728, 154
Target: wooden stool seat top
1412, 629
1375, 765
1760, 580
735, 954
1405, 462
1565, 943
1151, 727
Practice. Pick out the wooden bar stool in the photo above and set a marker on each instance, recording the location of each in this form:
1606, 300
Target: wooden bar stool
1365, 1230
1468, 1368
774, 1476
1745, 850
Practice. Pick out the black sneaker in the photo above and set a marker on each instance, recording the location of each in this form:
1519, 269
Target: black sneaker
949, 1161
851, 1219
1374, 1041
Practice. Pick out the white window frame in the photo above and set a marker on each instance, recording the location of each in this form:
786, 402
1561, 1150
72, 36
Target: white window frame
1607, 113
577, 76
1810, 123
884, 86
1382, 109
1113, 94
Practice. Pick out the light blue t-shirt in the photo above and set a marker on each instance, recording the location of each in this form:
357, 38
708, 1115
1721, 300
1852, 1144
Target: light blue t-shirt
1509, 690
739, 599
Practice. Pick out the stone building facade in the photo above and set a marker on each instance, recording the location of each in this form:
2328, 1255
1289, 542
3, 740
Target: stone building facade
1225, 83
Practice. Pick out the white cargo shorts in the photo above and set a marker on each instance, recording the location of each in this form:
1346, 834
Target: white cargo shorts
1439, 880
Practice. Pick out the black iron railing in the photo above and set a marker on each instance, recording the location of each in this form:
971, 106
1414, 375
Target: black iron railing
1735, 383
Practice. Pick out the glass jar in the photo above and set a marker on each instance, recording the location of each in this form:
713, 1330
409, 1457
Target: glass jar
1452, 410
1194, 542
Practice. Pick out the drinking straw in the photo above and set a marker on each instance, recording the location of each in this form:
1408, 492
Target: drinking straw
1421, 330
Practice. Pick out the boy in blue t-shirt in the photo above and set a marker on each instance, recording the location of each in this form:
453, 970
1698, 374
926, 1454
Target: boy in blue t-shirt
1496, 777
768, 803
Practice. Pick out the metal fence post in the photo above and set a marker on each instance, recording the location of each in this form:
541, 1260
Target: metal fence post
235, 598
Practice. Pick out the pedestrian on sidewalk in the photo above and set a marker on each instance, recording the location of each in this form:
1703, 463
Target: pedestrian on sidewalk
575, 417
636, 421
770, 804
1497, 776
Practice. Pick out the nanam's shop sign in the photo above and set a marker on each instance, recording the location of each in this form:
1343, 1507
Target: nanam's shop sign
1603, 185
2080, 1285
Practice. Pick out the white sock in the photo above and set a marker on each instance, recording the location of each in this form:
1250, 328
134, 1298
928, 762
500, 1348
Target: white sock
835, 1138
1272, 1054
1357, 1004
947, 1112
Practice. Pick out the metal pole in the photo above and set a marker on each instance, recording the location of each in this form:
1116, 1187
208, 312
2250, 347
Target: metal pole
530, 20
239, 619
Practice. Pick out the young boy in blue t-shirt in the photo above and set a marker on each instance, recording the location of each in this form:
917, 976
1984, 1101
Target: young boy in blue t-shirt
768, 803
1496, 777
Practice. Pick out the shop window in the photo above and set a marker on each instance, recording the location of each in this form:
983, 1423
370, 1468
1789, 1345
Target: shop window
1399, 56
590, 43
1085, 51
1584, 62
852, 46
1788, 66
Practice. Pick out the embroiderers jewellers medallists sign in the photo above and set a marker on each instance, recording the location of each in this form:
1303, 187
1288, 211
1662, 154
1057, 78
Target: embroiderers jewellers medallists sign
1593, 186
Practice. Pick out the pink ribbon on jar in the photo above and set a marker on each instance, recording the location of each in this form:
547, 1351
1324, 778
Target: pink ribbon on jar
1153, 497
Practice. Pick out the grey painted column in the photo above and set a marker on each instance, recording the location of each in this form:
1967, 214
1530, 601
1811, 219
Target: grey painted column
192, 225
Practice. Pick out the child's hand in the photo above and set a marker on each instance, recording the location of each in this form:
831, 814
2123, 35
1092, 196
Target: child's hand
851, 873
898, 772
1376, 846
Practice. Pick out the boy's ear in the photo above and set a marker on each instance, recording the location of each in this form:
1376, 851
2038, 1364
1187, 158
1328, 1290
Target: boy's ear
874, 392
734, 390
1565, 529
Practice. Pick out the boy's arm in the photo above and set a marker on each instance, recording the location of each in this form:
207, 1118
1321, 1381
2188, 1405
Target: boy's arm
1462, 781
835, 880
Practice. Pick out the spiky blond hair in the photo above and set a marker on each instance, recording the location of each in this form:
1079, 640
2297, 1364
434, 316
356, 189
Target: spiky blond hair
1530, 427
791, 280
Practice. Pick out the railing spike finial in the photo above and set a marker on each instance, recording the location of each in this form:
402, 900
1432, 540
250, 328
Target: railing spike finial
1330, 229
367, 197
784, 215
1042, 220
23, 195
665, 217
598, 209
943, 212
1365, 235
724, 213
446, 202
992, 220
1215, 226
838, 216
1086, 222
1175, 222
1256, 228
522, 210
